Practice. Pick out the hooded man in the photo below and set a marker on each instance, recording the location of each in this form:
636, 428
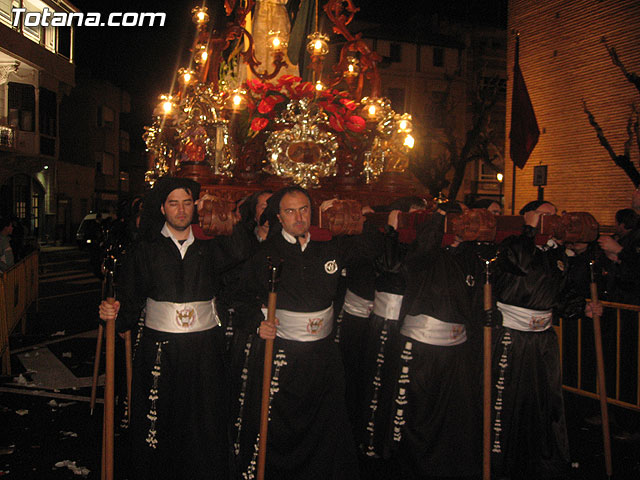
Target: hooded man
178, 407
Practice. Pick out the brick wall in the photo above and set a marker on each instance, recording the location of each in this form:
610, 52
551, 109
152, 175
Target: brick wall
563, 62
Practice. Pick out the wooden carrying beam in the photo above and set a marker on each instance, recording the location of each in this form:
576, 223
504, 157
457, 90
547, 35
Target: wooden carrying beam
480, 225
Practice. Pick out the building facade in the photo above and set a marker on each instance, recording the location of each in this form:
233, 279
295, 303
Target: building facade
435, 71
36, 71
564, 62
93, 148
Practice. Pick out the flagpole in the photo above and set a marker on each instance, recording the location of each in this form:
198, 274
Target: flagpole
513, 189
513, 179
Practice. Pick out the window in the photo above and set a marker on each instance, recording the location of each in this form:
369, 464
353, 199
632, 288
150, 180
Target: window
106, 166
21, 209
395, 52
34, 33
7, 138
48, 122
124, 181
487, 173
396, 95
64, 41
6, 15
21, 193
35, 210
5, 11
22, 106
50, 38
124, 141
105, 117
48, 112
47, 146
438, 57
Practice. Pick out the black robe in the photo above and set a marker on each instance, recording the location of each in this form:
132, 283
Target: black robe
437, 413
179, 399
309, 432
381, 348
529, 437
352, 332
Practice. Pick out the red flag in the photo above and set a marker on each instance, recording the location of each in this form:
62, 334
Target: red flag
524, 127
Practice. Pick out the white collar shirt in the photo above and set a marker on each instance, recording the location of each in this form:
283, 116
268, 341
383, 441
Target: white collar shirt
182, 247
291, 239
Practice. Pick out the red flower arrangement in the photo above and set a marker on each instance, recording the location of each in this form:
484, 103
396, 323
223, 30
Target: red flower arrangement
267, 100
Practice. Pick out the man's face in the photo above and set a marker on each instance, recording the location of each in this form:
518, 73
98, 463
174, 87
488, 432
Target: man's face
295, 214
178, 209
261, 204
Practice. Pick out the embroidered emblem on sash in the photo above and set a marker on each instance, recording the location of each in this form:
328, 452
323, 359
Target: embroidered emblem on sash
331, 267
185, 317
561, 265
456, 331
314, 325
538, 323
470, 280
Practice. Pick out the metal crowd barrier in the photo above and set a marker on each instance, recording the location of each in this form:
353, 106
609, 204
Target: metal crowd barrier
621, 346
18, 291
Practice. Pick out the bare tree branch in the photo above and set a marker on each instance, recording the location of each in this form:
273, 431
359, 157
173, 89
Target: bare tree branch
603, 140
622, 161
629, 141
460, 151
631, 76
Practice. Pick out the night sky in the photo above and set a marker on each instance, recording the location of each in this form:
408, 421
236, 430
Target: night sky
143, 60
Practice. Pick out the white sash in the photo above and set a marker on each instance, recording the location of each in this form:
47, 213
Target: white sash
181, 317
426, 329
387, 305
525, 319
303, 326
356, 305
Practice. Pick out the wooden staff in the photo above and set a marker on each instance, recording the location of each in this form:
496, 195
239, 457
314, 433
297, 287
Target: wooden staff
486, 400
602, 389
274, 272
128, 357
96, 362
109, 387
96, 367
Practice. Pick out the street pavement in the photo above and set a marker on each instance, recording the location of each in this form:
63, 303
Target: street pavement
48, 431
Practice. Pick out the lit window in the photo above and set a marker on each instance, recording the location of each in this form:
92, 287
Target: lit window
32, 32
35, 210
487, 173
50, 38
5, 11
